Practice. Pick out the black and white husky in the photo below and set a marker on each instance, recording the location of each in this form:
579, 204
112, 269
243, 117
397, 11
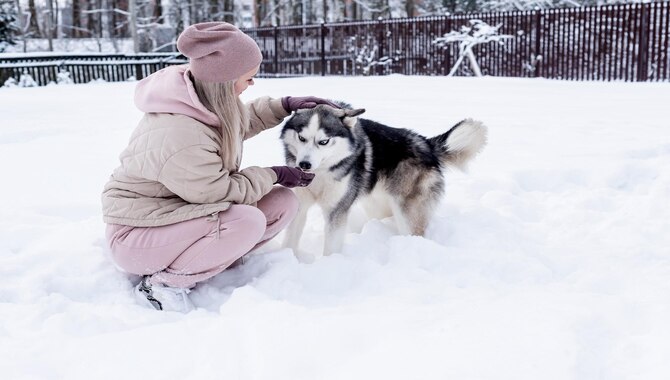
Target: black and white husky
394, 172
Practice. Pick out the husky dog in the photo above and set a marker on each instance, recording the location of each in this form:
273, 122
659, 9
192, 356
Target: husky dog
395, 172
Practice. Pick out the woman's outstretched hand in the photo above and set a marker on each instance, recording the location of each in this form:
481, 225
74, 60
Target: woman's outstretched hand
292, 177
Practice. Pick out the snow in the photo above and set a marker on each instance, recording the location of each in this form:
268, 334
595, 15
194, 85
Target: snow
549, 259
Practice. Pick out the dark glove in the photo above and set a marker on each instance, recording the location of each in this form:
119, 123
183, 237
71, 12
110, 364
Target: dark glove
292, 177
294, 103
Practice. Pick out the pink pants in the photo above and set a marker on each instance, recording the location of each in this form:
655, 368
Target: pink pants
182, 254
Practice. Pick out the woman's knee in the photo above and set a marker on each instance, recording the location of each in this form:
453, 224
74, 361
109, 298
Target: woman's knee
288, 199
281, 202
248, 220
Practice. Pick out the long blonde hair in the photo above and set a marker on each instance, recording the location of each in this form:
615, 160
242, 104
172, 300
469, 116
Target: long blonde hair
220, 98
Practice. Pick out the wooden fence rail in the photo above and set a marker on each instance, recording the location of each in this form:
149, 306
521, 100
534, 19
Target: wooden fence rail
83, 68
627, 42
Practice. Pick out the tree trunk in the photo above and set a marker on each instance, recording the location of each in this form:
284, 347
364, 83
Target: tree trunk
457, 64
229, 11
473, 62
409, 8
193, 12
33, 27
306, 11
324, 3
76, 18
132, 9
158, 10
48, 23
104, 20
90, 18
19, 16
257, 12
186, 16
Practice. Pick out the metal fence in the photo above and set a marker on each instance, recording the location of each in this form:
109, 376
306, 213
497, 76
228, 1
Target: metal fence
84, 68
618, 42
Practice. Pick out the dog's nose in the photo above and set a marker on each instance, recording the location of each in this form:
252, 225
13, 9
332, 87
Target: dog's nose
304, 165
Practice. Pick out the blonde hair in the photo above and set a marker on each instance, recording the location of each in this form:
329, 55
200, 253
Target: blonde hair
220, 99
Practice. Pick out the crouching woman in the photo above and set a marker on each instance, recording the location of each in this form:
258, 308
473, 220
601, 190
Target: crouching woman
179, 209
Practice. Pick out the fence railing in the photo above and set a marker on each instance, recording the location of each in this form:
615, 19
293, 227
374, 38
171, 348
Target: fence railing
617, 42
627, 42
83, 68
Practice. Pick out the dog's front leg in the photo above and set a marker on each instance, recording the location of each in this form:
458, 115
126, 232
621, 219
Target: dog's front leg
336, 228
294, 230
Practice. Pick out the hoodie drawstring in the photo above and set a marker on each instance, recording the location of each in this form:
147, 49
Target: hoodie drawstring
215, 218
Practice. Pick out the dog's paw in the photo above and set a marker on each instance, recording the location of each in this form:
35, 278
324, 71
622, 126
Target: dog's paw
304, 256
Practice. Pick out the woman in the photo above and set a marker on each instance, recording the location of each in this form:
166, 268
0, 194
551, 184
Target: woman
179, 209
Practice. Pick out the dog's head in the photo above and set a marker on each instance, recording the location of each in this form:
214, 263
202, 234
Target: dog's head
319, 137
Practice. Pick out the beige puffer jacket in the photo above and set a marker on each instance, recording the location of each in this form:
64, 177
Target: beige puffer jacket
171, 170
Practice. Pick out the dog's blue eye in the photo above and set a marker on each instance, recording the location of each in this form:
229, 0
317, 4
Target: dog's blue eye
302, 139
324, 142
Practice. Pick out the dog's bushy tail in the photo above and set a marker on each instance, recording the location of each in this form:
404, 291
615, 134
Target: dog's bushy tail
460, 143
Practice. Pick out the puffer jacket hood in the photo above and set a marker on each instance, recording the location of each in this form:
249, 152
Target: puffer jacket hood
170, 90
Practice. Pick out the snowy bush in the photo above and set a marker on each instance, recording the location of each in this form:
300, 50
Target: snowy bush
531, 64
11, 82
63, 77
24, 81
27, 80
365, 57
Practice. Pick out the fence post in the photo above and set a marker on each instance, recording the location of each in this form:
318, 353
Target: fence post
381, 41
138, 72
447, 49
538, 42
323, 49
275, 61
643, 46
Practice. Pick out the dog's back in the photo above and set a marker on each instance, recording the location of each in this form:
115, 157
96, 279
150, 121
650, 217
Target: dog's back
393, 147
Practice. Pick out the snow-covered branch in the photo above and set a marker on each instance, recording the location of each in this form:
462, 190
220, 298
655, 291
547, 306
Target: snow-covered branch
478, 32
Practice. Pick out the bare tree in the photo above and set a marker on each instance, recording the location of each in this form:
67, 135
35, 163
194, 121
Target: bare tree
50, 23
409, 8
76, 18
106, 20
132, 19
158, 10
33, 26
350, 10
19, 23
478, 32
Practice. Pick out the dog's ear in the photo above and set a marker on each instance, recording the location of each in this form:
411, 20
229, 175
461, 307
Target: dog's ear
347, 112
349, 116
352, 113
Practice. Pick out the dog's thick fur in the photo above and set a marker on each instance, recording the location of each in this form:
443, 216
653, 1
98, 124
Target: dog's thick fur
393, 171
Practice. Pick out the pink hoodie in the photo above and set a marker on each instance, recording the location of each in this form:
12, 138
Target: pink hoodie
171, 91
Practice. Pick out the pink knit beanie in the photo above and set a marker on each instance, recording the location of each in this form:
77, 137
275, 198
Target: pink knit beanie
218, 51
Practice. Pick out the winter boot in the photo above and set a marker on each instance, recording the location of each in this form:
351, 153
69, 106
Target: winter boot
162, 297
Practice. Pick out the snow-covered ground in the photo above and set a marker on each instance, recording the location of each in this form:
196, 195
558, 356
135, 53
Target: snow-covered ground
550, 259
